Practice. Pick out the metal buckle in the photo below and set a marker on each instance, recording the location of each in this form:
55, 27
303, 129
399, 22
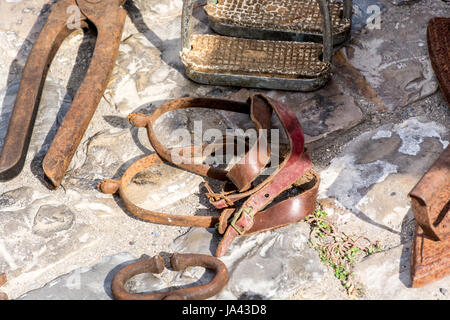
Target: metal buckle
248, 211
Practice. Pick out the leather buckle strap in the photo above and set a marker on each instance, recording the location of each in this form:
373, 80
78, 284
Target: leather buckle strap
243, 220
293, 167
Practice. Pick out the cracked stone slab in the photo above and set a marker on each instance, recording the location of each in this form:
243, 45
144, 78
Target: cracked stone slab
354, 80
272, 265
51, 99
322, 113
386, 276
328, 111
40, 234
138, 69
394, 58
366, 187
89, 283
51, 219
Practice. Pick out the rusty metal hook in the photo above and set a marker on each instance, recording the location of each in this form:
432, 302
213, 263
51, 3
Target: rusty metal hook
178, 262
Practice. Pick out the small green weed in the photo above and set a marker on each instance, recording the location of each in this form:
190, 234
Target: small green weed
338, 250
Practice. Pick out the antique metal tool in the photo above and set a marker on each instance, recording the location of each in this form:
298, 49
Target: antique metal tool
178, 262
282, 65
107, 18
430, 199
438, 39
293, 176
287, 20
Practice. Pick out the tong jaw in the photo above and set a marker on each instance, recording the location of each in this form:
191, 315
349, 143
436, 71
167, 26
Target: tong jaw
108, 18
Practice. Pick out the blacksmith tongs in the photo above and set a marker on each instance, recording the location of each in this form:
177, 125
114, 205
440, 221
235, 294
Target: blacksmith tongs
108, 19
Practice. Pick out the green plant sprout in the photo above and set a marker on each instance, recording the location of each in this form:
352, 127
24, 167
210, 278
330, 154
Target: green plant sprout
338, 250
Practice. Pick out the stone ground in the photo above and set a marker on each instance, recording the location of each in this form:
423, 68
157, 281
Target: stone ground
372, 133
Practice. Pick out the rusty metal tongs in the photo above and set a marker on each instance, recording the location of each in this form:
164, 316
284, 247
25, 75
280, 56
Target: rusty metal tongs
108, 19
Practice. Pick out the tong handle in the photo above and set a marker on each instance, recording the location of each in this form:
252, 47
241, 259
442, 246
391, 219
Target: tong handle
109, 20
28, 97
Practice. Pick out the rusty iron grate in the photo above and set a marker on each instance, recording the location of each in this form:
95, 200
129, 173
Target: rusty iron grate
282, 15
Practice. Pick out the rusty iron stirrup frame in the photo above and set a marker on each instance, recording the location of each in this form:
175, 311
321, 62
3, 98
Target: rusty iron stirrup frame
256, 214
108, 18
438, 41
430, 200
268, 64
287, 20
178, 262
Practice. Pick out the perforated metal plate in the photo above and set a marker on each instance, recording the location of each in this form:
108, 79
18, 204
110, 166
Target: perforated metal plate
268, 64
249, 18
227, 55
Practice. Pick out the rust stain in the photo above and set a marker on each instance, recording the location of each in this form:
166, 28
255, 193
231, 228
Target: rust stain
355, 80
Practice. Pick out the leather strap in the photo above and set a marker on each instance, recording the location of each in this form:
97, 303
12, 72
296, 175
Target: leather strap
293, 167
294, 172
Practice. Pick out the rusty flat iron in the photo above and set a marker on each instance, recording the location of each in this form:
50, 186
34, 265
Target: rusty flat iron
430, 200
269, 64
108, 18
438, 40
288, 20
